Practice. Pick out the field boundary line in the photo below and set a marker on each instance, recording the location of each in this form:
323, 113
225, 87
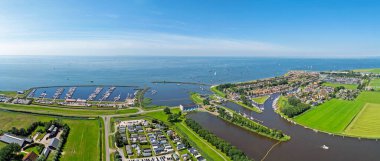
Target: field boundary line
352, 122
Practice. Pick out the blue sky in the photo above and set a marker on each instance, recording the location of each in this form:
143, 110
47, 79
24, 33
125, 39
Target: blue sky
298, 28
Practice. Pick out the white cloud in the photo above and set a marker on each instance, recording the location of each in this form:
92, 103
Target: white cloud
139, 44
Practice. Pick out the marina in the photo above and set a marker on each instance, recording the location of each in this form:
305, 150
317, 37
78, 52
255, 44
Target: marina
89, 93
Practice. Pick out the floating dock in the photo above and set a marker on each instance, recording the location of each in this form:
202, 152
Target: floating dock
108, 93
95, 93
58, 93
70, 93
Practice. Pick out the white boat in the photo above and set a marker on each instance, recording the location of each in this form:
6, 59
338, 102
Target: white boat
324, 147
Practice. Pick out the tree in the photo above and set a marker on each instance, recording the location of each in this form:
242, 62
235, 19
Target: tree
167, 110
206, 102
119, 139
10, 152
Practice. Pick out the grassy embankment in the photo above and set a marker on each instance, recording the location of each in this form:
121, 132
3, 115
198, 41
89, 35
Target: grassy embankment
261, 100
356, 118
206, 149
219, 93
63, 111
82, 144
196, 98
248, 107
347, 86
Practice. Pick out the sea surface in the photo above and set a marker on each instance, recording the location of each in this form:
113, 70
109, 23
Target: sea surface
24, 72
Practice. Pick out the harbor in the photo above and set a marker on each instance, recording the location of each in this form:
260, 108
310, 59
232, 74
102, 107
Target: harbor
95, 93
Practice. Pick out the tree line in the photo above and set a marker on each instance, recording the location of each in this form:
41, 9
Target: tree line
222, 145
256, 127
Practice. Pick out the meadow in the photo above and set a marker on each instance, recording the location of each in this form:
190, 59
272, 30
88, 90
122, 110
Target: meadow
373, 70
333, 116
354, 118
82, 143
367, 123
375, 84
347, 86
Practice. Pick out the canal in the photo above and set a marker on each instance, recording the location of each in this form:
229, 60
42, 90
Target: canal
305, 144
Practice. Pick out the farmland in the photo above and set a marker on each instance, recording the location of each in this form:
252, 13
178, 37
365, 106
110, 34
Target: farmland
347, 86
354, 118
373, 70
82, 143
332, 116
367, 123
375, 84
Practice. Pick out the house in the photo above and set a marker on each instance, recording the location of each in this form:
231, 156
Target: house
129, 150
30, 157
51, 128
54, 132
8, 138
175, 156
187, 108
54, 143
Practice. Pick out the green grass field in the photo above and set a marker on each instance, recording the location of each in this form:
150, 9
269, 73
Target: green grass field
375, 84
64, 111
261, 100
347, 86
9, 93
373, 70
367, 122
332, 116
343, 117
82, 143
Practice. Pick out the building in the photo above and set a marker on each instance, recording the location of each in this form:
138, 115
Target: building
187, 108
8, 138
30, 157
46, 152
54, 143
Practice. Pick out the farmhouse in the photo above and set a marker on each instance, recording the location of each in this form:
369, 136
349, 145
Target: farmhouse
30, 157
54, 143
8, 138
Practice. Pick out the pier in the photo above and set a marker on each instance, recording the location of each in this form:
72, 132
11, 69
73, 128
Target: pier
95, 93
58, 93
107, 94
70, 93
